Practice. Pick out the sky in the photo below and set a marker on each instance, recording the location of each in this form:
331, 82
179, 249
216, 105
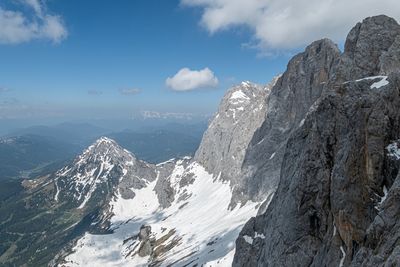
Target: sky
103, 59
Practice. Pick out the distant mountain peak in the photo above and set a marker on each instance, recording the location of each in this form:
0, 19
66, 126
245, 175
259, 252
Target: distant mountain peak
105, 140
107, 148
104, 162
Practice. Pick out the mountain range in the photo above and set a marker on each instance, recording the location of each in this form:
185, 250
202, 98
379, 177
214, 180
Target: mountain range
32, 151
303, 171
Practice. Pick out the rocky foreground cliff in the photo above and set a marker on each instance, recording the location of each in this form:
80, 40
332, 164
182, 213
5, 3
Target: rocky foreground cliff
338, 198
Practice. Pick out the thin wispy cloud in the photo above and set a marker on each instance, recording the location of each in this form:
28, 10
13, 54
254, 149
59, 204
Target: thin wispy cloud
130, 91
94, 92
279, 25
187, 80
34, 24
4, 89
9, 101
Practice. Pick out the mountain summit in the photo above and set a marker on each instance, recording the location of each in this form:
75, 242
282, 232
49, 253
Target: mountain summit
97, 170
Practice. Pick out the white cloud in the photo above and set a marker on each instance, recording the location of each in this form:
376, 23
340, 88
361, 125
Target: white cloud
287, 24
186, 80
17, 27
131, 91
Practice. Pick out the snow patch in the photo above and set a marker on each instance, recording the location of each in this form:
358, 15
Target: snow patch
381, 83
248, 239
257, 235
238, 97
341, 263
383, 198
394, 150
262, 140
57, 190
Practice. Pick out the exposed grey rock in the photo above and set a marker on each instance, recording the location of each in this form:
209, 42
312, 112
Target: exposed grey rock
146, 242
138, 173
291, 98
366, 43
390, 60
227, 138
165, 190
382, 248
240, 113
329, 208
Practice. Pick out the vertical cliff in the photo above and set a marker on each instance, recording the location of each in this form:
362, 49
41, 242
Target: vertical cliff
337, 199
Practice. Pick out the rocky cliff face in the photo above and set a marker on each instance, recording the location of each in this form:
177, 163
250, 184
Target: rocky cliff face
337, 203
228, 136
290, 99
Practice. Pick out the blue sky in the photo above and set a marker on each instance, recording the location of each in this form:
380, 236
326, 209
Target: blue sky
135, 44
73, 59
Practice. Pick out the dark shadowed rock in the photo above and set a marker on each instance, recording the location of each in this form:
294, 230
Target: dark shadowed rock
332, 207
291, 98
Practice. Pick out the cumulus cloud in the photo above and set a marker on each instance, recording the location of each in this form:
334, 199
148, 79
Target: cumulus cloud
289, 24
131, 91
186, 79
18, 27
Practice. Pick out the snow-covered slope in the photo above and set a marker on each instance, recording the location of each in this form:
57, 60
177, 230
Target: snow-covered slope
197, 228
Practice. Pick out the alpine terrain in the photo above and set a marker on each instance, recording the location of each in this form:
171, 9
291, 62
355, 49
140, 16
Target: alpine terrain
303, 171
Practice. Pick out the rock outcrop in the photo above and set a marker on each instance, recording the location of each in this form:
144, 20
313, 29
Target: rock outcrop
287, 105
337, 203
227, 138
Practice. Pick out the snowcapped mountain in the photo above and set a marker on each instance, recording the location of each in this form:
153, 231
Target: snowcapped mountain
98, 171
179, 212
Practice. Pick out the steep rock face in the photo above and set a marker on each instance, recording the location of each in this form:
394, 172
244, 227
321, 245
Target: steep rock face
295, 92
332, 206
368, 49
240, 114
